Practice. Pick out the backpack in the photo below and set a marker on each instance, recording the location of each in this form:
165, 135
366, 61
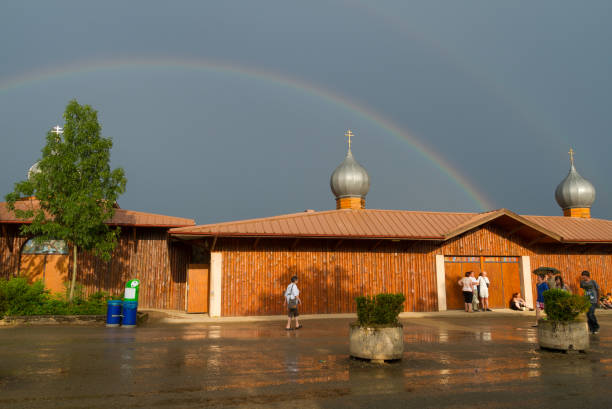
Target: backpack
292, 303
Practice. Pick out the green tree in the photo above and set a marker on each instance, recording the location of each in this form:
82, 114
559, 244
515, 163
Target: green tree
75, 186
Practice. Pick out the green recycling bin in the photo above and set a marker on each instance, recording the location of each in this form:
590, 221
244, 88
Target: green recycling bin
131, 290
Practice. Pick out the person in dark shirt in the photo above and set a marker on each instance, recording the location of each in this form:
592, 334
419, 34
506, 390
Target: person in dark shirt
591, 290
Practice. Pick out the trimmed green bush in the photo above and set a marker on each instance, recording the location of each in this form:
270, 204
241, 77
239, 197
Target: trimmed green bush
560, 305
381, 309
17, 297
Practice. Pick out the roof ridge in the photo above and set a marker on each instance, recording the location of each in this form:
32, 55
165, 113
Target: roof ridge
418, 211
316, 213
151, 214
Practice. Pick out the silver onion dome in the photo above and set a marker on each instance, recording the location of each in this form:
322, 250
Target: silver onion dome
574, 191
33, 170
350, 179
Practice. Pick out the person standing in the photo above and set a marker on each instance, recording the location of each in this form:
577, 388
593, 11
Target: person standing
561, 285
467, 284
483, 291
592, 291
292, 300
541, 287
550, 280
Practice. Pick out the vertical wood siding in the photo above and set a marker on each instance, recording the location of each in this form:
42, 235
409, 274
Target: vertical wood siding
148, 255
331, 275
160, 265
254, 280
10, 247
255, 275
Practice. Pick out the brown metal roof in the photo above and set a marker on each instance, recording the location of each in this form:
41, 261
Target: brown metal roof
121, 217
573, 229
402, 224
367, 223
495, 215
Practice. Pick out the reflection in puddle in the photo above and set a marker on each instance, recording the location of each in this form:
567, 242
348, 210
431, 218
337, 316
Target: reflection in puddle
214, 332
443, 336
534, 367
532, 336
445, 355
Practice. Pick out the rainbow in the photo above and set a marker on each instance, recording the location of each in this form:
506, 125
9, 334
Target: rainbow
92, 66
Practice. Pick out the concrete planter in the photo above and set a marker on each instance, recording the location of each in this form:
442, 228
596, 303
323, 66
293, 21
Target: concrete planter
378, 344
563, 336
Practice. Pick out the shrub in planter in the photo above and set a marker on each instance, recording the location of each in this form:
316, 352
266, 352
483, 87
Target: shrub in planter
377, 335
381, 309
562, 329
560, 305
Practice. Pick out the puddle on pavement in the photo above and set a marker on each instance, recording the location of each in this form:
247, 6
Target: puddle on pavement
247, 357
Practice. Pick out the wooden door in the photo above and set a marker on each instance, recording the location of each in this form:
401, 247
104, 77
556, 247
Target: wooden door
496, 287
454, 298
512, 280
503, 273
197, 288
455, 269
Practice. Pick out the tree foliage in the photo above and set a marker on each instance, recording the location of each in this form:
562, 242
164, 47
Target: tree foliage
75, 186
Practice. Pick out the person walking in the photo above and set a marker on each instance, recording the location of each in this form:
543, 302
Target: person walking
483, 291
467, 284
540, 287
292, 300
592, 291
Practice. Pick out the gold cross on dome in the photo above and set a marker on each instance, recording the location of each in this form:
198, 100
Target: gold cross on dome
571, 153
349, 135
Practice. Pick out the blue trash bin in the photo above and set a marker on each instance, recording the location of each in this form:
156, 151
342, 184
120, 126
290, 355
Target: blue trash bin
129, 314
113, 313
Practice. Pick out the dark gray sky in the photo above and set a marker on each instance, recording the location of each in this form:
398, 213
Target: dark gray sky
237, 109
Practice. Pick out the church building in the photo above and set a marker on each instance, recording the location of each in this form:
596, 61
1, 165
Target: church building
242, 267
350, 251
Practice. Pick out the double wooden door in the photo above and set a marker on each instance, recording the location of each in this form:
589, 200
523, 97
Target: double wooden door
503, 274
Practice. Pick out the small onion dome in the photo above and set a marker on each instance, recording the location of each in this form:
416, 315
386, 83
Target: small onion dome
575, 191
33, 170
350, 179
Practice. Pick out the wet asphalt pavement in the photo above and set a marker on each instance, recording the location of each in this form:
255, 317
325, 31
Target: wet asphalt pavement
472, 361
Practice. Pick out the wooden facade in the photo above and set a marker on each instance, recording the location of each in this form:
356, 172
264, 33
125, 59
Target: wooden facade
255, 272
142, 252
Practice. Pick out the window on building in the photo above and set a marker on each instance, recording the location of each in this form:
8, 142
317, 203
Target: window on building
34, 246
